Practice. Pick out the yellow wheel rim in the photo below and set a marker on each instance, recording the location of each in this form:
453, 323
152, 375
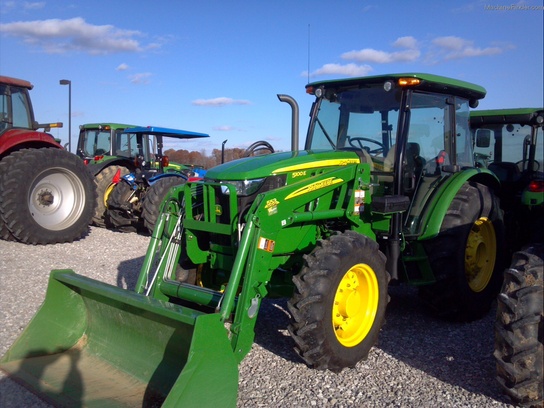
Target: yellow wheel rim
480, 254
355, 305
107, 193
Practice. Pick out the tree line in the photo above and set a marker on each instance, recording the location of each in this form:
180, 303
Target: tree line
201, 159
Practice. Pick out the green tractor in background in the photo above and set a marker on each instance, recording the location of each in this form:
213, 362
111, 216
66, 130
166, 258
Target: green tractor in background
106, 149
386, 189
98, 140
511, 142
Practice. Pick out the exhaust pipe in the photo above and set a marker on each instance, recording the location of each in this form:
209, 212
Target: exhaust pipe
294, 121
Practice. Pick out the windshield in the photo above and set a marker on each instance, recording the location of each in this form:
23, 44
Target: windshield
96, 142
19, 117
366, 119
510, 143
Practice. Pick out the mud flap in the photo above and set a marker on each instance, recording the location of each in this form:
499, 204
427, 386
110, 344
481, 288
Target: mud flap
95, 345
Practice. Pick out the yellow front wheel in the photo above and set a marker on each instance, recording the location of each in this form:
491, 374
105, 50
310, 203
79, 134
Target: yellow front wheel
355, 305
339, 302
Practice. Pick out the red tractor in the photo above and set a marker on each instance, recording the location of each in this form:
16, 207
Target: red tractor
47, 194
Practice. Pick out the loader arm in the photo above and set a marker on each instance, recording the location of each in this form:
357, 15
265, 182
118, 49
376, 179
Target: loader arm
281, 224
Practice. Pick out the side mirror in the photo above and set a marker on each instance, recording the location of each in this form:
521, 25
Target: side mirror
483, 138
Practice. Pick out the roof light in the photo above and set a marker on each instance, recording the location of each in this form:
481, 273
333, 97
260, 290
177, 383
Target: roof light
310, 90
409, 81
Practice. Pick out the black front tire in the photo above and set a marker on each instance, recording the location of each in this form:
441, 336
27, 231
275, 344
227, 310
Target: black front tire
466, 256
121, 214
339, 302
519, 328
154, 198
47, 196
102, 181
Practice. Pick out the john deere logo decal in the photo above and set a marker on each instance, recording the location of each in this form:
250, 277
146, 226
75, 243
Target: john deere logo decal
317, 164
315, 186
272, 206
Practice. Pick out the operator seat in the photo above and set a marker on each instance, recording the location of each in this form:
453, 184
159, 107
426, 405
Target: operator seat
413, 166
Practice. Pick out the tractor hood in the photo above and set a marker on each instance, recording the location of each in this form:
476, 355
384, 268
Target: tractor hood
280, 163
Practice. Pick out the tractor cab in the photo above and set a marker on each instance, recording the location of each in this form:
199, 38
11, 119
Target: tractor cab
413, 130
510, 143
150, 159
98, 140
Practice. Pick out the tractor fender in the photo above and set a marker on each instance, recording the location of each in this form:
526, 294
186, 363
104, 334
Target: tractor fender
97, 167
432, 218
154, 179
16, 139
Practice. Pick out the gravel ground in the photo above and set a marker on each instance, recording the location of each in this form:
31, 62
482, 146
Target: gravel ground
419, 361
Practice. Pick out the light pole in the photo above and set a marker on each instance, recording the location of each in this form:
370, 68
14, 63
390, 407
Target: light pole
69, 83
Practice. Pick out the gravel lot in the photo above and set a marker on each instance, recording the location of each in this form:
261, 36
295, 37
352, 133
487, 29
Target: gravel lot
419, 361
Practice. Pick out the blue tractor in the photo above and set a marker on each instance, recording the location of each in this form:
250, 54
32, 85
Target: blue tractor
133, 205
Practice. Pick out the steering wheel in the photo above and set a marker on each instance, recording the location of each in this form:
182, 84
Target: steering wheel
521, 164
357, 142
257, 148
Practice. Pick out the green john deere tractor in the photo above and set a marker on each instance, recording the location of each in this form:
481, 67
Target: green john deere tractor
106, 149
511, 142
385, 189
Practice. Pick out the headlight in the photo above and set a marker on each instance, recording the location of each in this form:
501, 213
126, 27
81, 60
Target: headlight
243, 187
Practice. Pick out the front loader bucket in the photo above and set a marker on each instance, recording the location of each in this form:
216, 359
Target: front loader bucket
95, 345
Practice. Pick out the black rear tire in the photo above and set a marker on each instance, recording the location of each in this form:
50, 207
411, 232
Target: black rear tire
154, 198
519, 328
47, 196
339, 302
5, 234
466, 256
102, 181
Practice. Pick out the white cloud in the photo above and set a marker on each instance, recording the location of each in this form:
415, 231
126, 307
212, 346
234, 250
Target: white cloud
57, 36
451, 47
122, 67
140, 79
34, 5
352, 70
406, 42
411, 50
227, 128
411, 53
218, 102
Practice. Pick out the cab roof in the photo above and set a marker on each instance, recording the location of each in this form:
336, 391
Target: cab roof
160, 131
15, 82
522, 116
112, 125
428, 82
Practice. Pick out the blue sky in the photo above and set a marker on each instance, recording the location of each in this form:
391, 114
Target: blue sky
216, 66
